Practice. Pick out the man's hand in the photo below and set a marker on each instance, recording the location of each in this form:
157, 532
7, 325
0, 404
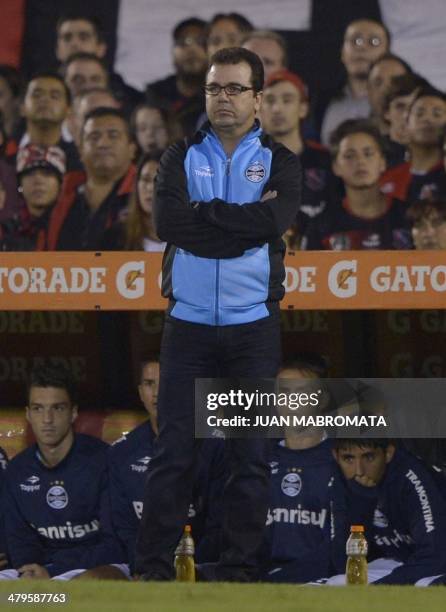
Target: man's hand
365, 481
34, 571
269, 195
3, 561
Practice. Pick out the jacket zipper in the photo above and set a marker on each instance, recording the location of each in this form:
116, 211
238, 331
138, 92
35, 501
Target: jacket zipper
217, 268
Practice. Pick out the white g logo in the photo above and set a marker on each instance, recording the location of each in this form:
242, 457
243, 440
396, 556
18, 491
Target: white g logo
130, 280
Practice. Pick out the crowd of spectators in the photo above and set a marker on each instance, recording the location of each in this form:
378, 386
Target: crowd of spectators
370, 153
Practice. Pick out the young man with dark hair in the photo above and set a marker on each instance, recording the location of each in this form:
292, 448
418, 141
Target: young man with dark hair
423, 177
396, 104
428, 221
82, 71
285, 106
79, 33
365, 40
382, 72
181, 94
365, 218
397, 499
56, 495
129, 459
223, 199
46, 106
226, 30
93, 201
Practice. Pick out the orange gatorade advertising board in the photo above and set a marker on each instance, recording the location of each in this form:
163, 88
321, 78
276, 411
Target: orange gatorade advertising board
315, 280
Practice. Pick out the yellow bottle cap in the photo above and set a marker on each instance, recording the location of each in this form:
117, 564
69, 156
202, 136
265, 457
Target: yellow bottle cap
188, 529
357, 529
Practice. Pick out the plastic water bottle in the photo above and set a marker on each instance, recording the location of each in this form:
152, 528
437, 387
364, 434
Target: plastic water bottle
356, 549
184, 557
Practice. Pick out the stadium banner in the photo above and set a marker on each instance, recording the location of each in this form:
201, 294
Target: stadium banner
347, 280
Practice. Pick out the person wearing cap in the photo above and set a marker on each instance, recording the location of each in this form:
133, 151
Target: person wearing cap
285, 105
182, 93
40, 171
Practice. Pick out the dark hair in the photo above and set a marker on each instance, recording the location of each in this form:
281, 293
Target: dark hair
243, 24
13, 78
53, 376
93, 21
346, 443
419, 210
106, 111
85, 57
147, 358
391, 57
269, 35
312, 362
403, 85
48, 74
187, 23
354, 126
237, 55
427, 92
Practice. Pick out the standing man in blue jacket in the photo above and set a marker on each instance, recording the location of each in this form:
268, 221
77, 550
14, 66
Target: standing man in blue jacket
223, 199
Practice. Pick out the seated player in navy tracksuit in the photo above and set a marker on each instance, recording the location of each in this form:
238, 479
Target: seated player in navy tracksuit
298, 522
56, 508
129, 459
399, 501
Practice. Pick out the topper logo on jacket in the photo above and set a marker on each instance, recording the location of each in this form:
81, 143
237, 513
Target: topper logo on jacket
255, 172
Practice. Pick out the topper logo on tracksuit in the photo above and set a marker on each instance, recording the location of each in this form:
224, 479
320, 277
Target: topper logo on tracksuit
204, 171
32, 486
255, 172
141, 468
291, 484
57, 497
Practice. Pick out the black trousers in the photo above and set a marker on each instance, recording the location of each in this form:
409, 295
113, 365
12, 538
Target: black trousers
189, 351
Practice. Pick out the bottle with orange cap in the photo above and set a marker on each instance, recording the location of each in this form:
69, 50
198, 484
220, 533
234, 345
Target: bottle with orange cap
356, 549
184, 557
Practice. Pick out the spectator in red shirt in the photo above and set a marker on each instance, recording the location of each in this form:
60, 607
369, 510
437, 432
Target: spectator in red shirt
40, 172
365, 218
92, 202
423, 177
284, 107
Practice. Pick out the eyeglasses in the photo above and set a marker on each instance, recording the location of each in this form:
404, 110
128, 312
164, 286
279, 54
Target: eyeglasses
360, 41
231, 89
